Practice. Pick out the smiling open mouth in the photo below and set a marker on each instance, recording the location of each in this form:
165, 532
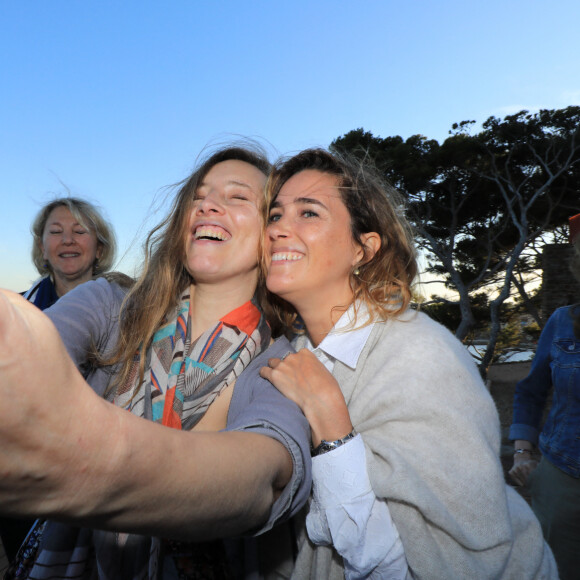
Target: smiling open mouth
214, 233
291, 256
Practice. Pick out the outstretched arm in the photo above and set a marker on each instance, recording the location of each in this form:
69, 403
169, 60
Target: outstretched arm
69, 455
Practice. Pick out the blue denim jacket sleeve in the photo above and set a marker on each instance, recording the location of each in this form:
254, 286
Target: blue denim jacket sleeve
532, 392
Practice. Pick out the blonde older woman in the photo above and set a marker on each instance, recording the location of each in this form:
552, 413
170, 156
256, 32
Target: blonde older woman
72, 243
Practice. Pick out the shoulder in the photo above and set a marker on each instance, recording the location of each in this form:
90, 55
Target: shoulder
422, 357
99, 291
559, 324
564, 314
250, 378
415, 332
30, 293
93, 303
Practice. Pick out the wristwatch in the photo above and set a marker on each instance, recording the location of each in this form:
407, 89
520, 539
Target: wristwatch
326, 446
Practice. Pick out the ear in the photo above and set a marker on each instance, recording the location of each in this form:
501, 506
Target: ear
99, 252
42, 250
371, 242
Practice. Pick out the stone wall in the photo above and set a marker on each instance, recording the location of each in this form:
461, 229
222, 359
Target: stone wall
559, 287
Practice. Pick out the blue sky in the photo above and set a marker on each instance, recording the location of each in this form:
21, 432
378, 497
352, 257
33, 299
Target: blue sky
113, 101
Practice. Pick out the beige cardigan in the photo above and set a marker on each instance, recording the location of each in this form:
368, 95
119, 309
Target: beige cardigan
432, 436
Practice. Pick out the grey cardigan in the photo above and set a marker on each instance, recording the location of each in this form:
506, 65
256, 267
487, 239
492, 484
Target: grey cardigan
432, 436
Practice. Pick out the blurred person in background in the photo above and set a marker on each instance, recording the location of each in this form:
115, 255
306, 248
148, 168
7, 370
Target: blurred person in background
554, 481
72, 243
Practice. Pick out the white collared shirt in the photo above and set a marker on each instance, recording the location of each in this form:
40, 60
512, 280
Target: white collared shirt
344, 510
345, 341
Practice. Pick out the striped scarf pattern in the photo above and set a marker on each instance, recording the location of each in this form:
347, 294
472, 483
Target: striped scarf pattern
182, 378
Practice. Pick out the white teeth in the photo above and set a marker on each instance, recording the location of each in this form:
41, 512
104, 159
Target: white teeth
68, 255
210, 232
291, 256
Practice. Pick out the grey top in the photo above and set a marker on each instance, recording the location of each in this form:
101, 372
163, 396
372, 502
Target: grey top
432, 441
89, 315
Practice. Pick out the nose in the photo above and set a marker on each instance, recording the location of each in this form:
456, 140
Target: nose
278, 229
67, 238
211, 203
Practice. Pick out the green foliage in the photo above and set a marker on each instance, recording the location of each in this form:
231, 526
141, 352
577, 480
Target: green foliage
532, 331
480, 201
448, 313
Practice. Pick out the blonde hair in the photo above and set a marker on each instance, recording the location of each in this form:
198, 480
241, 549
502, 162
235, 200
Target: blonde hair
164, 276
89, 217
383, 281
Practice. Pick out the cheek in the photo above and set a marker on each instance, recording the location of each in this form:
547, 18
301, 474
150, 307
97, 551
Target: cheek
46, 248
252, 230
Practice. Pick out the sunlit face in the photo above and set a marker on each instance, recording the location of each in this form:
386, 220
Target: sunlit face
69, 247
222, 239
309, 242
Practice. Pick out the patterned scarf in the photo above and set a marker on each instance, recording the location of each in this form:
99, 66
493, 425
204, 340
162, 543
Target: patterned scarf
182, 378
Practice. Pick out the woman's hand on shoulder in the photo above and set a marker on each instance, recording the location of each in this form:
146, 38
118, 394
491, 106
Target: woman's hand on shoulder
303, 379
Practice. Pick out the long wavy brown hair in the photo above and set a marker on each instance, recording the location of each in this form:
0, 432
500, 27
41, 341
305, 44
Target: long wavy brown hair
384, 281
164, 276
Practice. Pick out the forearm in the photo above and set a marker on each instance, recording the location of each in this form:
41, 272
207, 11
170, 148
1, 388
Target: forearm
346, 513
117, 471
328, 416
69, 455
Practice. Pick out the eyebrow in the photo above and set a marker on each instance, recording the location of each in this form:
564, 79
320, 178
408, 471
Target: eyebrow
230, 182
57, 223
306, 200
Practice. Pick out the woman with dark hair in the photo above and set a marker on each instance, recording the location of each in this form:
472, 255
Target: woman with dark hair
554, 483
72, 243
407, 480
183, 353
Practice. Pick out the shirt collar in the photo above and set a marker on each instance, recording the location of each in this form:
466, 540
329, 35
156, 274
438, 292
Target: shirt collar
343, 343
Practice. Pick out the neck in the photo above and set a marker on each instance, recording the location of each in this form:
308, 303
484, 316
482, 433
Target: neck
63, 285
210, 302
319, 318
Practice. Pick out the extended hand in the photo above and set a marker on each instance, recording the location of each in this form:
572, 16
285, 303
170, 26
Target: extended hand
39, 390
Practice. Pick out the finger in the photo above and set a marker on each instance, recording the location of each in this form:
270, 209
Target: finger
266, 372
515, 475
274, 362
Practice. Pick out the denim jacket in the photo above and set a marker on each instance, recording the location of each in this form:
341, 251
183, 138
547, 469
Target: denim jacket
556, 364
